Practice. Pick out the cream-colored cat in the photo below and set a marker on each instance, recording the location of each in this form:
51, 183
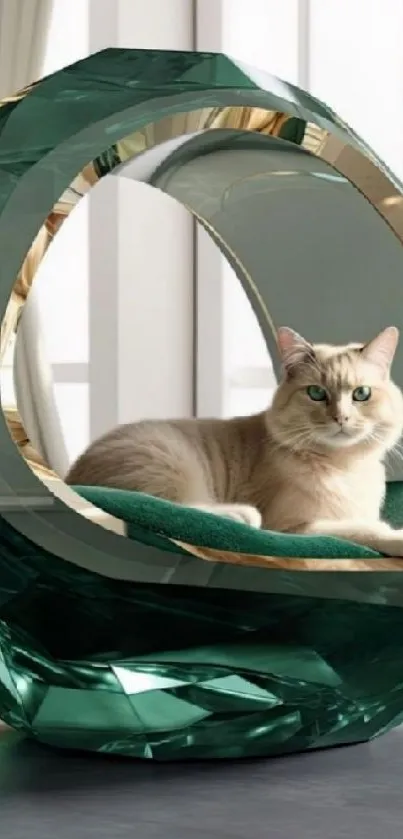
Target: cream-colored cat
311, 463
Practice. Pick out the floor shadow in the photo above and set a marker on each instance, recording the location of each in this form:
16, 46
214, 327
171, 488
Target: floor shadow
28, 767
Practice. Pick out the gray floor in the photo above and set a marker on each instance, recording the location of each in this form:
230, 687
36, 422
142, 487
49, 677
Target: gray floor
349, 793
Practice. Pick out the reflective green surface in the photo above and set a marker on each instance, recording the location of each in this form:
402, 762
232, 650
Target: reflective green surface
173, 672
170, 671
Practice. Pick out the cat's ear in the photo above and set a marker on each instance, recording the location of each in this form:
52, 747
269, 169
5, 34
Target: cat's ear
381, 350
293, 348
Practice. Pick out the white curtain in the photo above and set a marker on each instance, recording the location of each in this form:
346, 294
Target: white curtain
24, 27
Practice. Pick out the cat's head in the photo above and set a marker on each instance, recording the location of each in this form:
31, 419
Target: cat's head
337, 397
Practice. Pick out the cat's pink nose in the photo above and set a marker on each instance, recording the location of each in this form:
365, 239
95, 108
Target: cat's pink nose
341, 418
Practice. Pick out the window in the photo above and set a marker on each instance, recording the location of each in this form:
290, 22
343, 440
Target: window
102, 367
62, 278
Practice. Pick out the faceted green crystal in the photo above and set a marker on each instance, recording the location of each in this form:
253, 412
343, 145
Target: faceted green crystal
170, 671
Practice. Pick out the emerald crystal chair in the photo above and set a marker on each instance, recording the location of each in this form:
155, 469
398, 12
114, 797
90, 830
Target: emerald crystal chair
189, 636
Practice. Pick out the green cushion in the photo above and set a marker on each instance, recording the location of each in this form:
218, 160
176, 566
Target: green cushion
155, 521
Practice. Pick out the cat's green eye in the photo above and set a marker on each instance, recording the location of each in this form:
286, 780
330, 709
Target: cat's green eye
316, 393
362, 394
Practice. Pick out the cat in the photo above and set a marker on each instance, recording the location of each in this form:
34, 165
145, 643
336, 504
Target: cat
313, 462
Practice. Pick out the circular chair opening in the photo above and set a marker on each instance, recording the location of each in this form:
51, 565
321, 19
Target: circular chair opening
291, 216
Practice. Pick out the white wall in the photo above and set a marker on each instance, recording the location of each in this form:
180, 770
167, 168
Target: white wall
264, 34
356, 65
147, 318
61, 285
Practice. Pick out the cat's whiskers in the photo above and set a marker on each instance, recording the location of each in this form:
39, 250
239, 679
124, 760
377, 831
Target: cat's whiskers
293, 439
396, 453
301, 443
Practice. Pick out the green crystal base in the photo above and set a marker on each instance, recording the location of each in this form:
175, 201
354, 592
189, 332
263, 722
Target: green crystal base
174, 672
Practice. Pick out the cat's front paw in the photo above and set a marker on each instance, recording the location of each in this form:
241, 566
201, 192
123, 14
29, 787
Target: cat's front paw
244, 513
